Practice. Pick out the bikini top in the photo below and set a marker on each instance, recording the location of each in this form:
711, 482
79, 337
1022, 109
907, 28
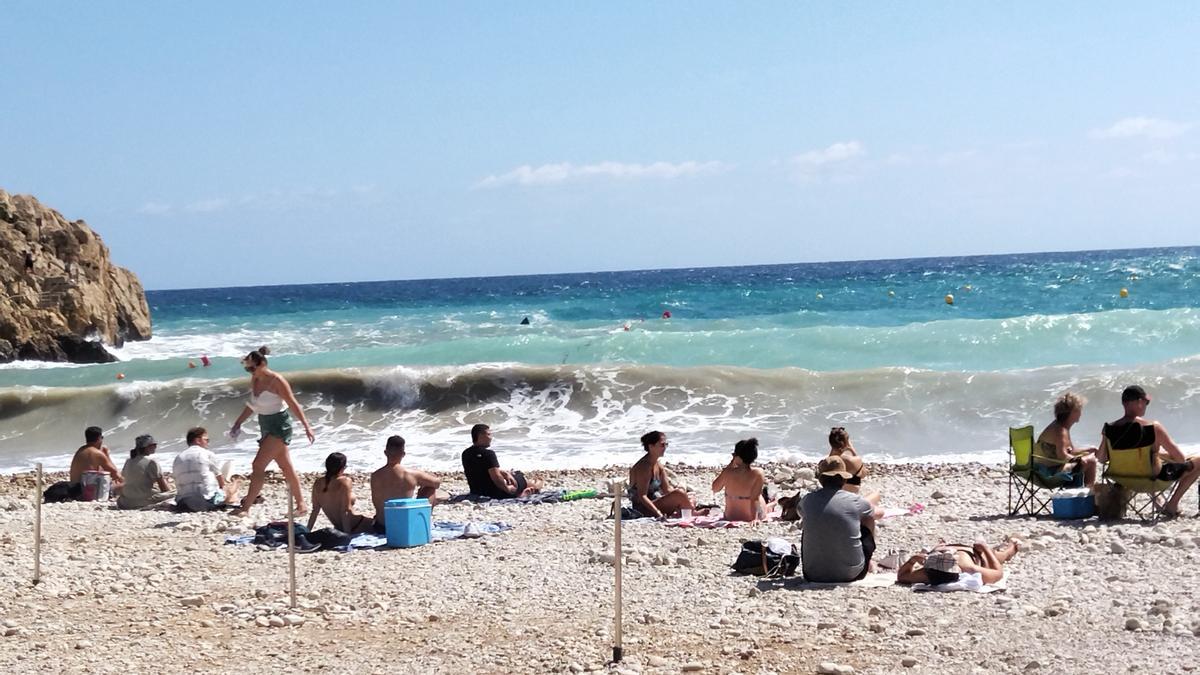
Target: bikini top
267, 403
653, 490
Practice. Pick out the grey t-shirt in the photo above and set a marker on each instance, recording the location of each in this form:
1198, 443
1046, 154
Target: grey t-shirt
831, 550
141, 476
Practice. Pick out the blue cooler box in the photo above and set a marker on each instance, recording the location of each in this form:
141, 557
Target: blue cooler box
1070, 504
407, 522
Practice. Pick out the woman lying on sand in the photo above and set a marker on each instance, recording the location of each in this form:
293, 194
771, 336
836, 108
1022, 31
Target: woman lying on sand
948, 563
743, 484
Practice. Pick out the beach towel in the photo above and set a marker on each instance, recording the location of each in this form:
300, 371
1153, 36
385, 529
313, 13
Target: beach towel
544, 497
971, 582
911, 510
714, 521
439, 531
875, 580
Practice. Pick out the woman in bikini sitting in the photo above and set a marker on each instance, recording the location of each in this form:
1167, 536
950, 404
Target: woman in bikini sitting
650, 491
271, 397
950, 563
1055, 453
840, 446
333, 494
743, 484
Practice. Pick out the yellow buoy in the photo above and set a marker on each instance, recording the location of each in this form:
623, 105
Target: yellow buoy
949, 299
1124, 292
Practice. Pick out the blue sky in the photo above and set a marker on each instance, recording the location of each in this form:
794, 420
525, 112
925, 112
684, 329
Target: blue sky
253, 143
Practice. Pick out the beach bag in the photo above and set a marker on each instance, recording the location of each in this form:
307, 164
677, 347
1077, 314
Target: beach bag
1110, 501
774, 557
62, 491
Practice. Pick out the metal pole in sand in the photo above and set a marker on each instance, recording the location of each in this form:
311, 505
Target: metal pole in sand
292, 547
37, 528
618, 650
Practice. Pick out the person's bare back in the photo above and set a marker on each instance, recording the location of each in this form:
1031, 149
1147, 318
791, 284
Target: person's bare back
392, 481
90, 458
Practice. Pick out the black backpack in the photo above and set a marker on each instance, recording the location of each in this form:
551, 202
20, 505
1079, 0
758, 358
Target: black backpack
761, 560
63, 491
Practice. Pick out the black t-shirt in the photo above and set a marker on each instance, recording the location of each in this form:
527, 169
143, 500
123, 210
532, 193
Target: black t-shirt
1129, 435
476, 463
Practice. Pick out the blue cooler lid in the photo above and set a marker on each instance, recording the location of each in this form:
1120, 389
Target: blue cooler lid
405, 503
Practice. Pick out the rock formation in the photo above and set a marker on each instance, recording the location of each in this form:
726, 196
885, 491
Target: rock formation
61, 297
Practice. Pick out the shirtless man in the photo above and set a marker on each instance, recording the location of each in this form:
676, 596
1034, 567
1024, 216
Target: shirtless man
393, 481
93, 456
333, 494
1133, 430
743, 484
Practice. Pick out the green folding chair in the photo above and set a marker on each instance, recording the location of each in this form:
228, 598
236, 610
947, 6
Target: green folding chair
1028, 490
1134, 469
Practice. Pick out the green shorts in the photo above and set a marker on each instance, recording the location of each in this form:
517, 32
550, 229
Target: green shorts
278, 425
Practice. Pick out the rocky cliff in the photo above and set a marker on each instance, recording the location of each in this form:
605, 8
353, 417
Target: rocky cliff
60, 295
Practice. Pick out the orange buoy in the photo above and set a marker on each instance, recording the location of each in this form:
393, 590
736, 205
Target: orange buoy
949, 299
1124, 292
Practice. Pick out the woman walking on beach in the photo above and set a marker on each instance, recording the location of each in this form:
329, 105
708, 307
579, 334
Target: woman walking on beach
270, 398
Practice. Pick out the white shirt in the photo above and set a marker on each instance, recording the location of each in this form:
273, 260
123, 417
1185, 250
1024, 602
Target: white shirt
196, 473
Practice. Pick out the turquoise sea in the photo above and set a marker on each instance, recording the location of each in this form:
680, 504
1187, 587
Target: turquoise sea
781, 352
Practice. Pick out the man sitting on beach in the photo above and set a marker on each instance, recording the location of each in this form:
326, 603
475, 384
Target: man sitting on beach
839, 528
483, 472
93, 456
393, 481
1133, 430
199, 484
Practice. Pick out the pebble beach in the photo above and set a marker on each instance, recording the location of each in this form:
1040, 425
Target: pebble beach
148, 591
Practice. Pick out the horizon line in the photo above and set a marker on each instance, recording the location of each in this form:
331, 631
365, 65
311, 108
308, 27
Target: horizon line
682, 267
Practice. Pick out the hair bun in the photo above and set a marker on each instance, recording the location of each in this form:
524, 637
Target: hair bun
264, 350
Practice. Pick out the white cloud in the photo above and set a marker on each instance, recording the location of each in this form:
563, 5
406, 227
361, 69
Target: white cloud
154, 209
837, 153
550, 174
1143, 127
208, 205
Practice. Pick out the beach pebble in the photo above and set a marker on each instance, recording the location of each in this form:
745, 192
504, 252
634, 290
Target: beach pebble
262, 622
908, 662
83, 644
656, 662
1116, 547
1134, 623
692, 667
276, 622
937, 494
192, 601
293, 619
915, 632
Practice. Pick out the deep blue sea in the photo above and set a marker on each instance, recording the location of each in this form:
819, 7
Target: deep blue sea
780, 352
